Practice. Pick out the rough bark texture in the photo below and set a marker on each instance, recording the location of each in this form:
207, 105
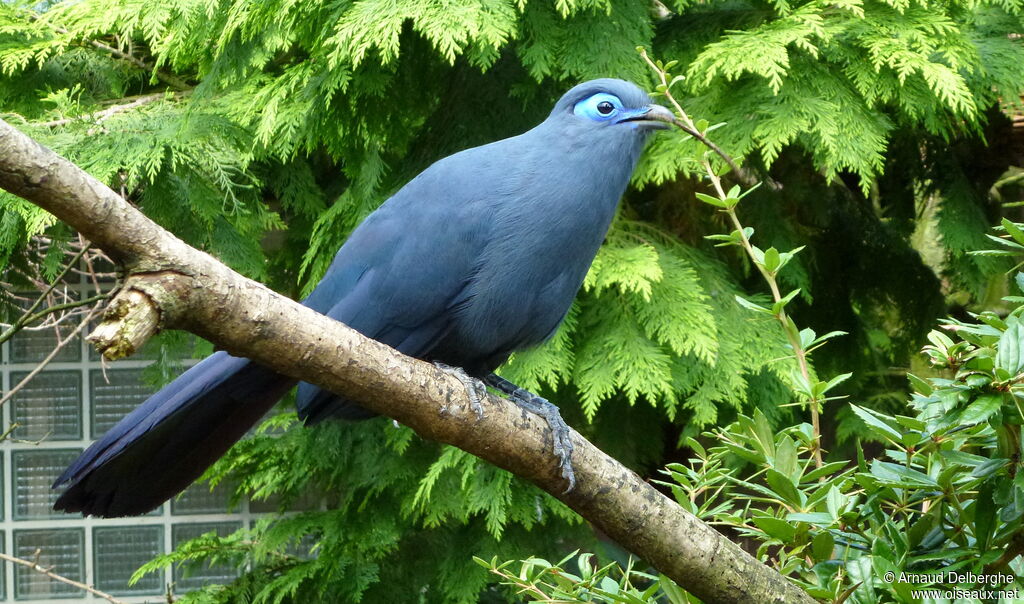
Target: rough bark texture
193, 291
131, 318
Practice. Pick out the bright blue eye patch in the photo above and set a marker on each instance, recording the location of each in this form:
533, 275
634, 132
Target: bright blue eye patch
599, 107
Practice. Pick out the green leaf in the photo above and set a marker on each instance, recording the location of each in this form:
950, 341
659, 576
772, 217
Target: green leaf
875, 424
919, 385
708, 199
835, 502
781, 304
822, 546
981, 408
786, 461
839, 379
900, 476
776, 528
985, 511
989, 467
829, 468
783, 486
815, 518
751, 305
771, 259
672, 591
785, 257
1008, 356
1013, 230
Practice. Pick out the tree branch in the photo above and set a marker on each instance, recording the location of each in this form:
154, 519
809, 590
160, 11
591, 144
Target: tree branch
195, 292
99, 116
166, 78
49, 357
34, 565
31, 315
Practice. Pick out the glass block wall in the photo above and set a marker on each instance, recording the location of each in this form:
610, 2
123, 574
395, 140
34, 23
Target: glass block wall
73, 401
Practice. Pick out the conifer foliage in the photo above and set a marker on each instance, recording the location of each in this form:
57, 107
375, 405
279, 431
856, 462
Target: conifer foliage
264, 131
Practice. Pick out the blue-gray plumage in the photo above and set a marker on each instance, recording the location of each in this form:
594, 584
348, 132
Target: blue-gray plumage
478, 256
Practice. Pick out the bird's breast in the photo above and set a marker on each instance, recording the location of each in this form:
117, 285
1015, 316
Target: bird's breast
534, 265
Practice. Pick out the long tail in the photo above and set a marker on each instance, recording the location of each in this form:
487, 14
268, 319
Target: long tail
167, 442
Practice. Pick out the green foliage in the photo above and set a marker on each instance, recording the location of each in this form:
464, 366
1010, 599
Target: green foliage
646, 326
817, 73
944, 498
264, 132
376, 497
547, 582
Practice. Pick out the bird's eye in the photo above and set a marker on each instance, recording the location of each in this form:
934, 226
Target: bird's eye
598, 107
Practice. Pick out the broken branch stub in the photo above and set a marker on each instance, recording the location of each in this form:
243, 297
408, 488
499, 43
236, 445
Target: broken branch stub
138, 312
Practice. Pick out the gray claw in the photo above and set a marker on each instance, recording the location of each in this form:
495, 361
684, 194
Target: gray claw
562, 442
560, 432
475, 389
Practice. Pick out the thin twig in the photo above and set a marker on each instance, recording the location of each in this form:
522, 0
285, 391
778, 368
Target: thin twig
56, 313
684, 122
53, 353
99, 116
90, 269
166, 78
686, 125
21, 322
34, 565
49, 310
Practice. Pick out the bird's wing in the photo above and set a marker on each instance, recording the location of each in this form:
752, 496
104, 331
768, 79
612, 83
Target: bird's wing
397, 276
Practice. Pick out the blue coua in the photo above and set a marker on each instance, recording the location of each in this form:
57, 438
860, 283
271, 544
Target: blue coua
478, 256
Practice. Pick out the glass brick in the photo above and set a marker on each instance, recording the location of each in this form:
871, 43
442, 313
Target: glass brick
196, 577
32, 345
3, 575
3, 493
34, 472
200, 499
49, 406
119, 550
59, 549
10, 307
114, 396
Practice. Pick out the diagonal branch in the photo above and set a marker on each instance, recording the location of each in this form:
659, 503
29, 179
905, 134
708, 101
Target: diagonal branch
188, 289
49, 357
48, 572
166, 78
99, 116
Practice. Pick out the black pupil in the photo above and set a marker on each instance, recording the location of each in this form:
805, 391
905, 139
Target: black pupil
604, 107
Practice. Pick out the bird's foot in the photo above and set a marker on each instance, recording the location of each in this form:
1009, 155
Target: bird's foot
560, 432
475, 389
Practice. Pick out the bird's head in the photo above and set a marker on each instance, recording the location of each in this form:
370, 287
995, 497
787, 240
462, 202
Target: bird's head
610, 107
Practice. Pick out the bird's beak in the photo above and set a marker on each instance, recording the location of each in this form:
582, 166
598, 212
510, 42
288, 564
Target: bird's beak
652, 116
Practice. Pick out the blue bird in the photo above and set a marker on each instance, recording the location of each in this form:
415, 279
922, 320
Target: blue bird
478, 256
